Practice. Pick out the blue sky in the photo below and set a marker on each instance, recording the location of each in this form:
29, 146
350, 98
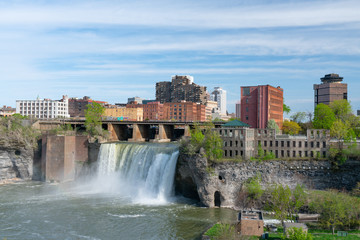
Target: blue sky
112, 50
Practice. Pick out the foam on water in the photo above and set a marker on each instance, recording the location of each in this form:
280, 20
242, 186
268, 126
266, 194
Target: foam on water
142, 172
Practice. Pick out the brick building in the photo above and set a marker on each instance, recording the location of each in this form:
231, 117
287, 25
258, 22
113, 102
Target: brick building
250, 223
181, 88
78, 106
184, 111
330, 89
113, 112
261, 103
151, 110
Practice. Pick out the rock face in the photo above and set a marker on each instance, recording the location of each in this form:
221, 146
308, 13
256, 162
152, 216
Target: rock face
220, 184
17, 163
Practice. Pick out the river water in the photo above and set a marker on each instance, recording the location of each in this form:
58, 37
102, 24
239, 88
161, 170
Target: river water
128, 198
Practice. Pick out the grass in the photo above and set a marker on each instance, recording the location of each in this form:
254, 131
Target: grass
318, 235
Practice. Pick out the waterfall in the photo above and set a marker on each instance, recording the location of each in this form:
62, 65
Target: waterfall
143, 171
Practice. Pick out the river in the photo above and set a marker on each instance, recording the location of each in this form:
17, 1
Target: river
131, 197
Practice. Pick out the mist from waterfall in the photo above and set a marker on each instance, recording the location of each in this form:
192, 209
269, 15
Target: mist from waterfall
144, 172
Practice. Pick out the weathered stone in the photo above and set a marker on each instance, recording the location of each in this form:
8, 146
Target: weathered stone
227, 178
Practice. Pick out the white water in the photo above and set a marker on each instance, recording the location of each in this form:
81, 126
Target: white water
143, 172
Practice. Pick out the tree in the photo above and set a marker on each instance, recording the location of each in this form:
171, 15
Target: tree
253, 188
331, 208
271, 124
286, 109
213, 146
298, 117
290, 127
93, 114
342, 109
286, 202
324, 117
280, 197
295, 233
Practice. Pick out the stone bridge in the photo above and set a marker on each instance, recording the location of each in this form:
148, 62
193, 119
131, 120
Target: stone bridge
132, 131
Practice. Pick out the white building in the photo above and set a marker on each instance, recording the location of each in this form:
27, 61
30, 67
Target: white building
219, 96
44, 108
238, 109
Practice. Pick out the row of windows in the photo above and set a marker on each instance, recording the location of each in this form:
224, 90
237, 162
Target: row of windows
282, 153
288, 144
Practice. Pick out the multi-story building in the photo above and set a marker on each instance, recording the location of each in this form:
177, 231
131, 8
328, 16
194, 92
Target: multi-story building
181, 88
78, 106
185, 111
238, 110
211, 107
44, 108
261, 103
135, 100
123, 113
243, 142
6, 111
153, 111
330, 89
358, 113
219, 96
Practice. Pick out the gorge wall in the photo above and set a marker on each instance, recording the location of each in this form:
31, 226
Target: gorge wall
223, 181
17, 161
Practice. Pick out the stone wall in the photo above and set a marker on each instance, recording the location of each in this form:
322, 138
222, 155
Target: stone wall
228, 178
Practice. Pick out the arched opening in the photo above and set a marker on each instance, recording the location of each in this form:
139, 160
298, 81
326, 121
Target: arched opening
217, 200
220, 177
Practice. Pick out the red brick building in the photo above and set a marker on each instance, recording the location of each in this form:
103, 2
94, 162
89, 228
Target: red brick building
184, 111
151, 110
77, 106
261, 103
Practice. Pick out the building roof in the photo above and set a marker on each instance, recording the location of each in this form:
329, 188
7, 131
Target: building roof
235, 123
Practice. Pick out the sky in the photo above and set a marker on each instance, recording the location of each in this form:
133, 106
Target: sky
113, 50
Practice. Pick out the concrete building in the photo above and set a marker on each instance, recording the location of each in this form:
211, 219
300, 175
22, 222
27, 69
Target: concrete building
211, 107
238, 110
185, 111
113, 112
219, 96
78, 106
358, 112
261, 103
135, 100
44, 108
330, 89
181, 88
243, 142
6, 111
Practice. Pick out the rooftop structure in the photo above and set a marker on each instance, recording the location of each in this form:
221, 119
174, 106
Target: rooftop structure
330, 89
6, 111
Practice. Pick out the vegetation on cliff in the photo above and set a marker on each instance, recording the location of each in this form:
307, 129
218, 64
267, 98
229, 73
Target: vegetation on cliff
14, 132
93, 123
202, 137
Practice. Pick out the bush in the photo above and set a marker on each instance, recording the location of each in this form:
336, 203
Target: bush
297, 234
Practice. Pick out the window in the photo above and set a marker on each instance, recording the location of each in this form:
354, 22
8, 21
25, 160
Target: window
246, 91
247, 117
324, 144
247, 109
247, 100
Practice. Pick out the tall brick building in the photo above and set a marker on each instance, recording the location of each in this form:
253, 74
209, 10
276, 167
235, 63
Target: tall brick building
330, 89
78, 106
181, 88
184, 111
261, 103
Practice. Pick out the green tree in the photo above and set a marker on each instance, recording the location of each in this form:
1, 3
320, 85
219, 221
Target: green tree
271, 124
253, 189
286, 109
213, 146
324, 117
93, 115
297, 234
298, 117
290, 127
331, 208
342, 109
286, 202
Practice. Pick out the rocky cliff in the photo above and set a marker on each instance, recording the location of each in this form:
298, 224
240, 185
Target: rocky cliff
18, 162
221, 183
